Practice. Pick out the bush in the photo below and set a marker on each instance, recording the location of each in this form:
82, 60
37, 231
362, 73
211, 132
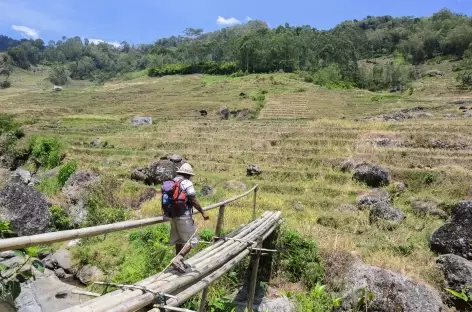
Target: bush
299, 258
66, 171
5, 84
103, 206
317, 300
465, 78
210, 68
7, 123
46, 152
60, 221
58, 75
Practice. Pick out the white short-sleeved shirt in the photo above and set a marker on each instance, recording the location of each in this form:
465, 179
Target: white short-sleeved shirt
189, 189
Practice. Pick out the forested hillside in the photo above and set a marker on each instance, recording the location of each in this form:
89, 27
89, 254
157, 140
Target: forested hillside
326, 56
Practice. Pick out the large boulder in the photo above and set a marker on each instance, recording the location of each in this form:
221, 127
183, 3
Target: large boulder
89, 274
392, 291
159, 170
457, 273
140, 121
386, 213
63, 259
372, 175
25, 208
224, 113
21, 175
253, 170
372, 197
46, 293
455, 237
423, 208
76, 189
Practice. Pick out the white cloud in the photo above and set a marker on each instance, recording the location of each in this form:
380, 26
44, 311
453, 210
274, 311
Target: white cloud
248, 19
26, 32
116, 44
227, 21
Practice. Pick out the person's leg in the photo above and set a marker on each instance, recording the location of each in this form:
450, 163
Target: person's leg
178, 248
186, 229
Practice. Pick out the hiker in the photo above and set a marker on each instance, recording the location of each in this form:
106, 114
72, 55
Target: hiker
178, 200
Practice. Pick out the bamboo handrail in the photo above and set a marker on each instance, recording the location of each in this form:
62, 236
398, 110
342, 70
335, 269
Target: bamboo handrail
61, 236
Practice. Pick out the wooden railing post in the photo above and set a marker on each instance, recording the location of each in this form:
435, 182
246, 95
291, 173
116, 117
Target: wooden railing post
254, 204
218, 230
253, 281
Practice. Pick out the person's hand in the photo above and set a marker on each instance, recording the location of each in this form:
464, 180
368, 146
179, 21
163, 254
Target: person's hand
205, 216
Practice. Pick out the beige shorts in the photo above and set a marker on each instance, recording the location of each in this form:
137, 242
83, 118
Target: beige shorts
181, 231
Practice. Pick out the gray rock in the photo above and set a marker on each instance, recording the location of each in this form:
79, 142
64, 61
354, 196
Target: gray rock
298, 206
393, 291
224, 113
25, 208
159, 170
235, 185
78, 184
282, 304
7, 254
50, 263
400, 187
350, 164
40, 295
372, 175
12, 262
450, 116
21, 175
97, 142
77, 211
457, 272
60, 273
423, 208
89, 274
455, 237
208, 190
384, 211
366, 200
63, 258
140, 121
253, 170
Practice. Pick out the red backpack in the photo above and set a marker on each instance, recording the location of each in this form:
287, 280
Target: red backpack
174, 199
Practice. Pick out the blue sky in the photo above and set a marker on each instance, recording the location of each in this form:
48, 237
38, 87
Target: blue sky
143, 21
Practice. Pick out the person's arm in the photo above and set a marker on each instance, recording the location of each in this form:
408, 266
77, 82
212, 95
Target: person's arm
196, 205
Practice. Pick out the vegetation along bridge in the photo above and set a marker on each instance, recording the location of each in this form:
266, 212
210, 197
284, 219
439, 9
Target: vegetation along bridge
169, 289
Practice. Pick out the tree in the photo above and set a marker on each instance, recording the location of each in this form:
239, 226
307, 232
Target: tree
58, 75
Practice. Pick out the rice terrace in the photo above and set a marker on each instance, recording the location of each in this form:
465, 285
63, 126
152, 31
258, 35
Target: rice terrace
372, 177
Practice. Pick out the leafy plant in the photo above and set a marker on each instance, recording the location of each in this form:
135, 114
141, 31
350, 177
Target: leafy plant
299, 258
5, 230
60, 220
317, 300
465, 295
46, 152
66, 171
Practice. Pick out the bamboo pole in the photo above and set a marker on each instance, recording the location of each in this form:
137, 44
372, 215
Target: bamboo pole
142, 300
219, 228
129, 301
254, 204
253, 282
168, 277
61, 236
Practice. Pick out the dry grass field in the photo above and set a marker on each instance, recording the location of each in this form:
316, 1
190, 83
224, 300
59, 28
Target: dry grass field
300, 136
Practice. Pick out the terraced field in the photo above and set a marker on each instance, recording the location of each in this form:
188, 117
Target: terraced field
302, 135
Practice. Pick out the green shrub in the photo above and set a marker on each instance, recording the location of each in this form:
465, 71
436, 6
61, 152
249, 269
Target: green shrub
299, 258
465, 78
210, 68
60, 220
103, 206
46, 152
66, 171
317, 300
49, 186
5, 84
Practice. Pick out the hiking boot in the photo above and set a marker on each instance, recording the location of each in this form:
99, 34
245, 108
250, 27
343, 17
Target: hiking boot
179, 264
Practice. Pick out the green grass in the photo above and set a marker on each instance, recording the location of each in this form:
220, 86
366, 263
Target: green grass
299, 140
